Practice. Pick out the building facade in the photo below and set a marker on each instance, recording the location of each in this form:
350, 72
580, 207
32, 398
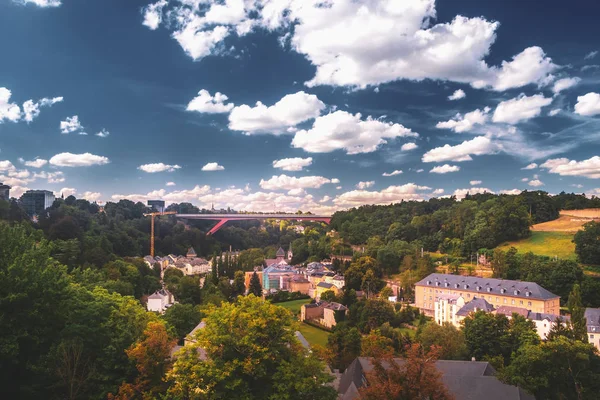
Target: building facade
157, 205
4, 192
36, 201
497, 292
160, 300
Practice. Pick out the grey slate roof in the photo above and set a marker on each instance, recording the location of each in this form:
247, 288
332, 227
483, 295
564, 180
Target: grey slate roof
280, 253
302, 340
325, 285
466, 380
487, 285
592, 316
475, 305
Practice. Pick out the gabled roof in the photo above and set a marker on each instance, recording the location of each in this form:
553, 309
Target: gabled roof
191, 252
475, 305
487, 285
280, 253
592, 316
509, 310
466, 380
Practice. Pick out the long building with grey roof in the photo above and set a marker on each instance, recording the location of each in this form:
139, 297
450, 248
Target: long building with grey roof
497, 292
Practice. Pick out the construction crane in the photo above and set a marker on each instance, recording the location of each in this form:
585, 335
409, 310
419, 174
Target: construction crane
152, 215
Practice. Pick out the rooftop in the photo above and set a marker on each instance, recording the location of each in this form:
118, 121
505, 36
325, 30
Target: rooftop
280, 253
471, 380
473, 306
325, 285
592, 316
488, 285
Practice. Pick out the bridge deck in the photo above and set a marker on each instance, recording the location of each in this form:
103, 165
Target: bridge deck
223, 218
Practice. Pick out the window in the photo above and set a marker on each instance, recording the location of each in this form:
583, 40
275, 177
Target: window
529, 303
512, 301
521, 302
504, 301
592, 337
497, 300
469, 295
429, 297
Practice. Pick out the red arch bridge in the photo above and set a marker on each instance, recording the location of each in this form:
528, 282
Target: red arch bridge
224, 218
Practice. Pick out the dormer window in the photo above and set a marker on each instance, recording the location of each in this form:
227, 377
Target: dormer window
446, 284
478, 288
437, 284
456, 285
516, 292
489, 289
502, 290
429, 282
466, 286
527, 294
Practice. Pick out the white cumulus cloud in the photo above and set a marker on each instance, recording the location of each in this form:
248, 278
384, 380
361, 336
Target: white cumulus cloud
103, 133
78, 160
364, 185
408, 146
206, 103
457, 95
589, 168
41, 3
288, 112
285, 182
535, 183
158, 167
213, 166
31, 109
37, 163
477, 146
391, 194
71, 124
444, 169
8, 111
474, 183
588, 104
393, 173
511, 191
170, 183
530, 166
341, 130
464, 123
553, 112
564, 84
153, 14
292, 164
520, 108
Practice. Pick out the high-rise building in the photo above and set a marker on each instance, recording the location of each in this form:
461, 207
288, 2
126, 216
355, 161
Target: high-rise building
4, 192
158, 205
36, 201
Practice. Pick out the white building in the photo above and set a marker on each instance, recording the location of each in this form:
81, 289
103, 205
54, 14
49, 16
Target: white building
446, 307
160, 300
592, 316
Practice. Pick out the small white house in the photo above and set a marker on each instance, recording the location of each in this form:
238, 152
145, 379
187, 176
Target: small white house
160, 300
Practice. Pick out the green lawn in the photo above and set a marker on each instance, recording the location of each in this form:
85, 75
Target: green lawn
314, 336
294, 305
546, 244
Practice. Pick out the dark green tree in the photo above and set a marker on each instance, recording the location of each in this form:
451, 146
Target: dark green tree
255, 286
578, 322
587, 243
183, 318
239, 286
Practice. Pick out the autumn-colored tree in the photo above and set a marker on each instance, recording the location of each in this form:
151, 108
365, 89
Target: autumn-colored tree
152, 358
414, 378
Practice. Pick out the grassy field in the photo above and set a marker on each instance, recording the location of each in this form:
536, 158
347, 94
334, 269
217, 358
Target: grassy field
294, 305
314, 336
546, 244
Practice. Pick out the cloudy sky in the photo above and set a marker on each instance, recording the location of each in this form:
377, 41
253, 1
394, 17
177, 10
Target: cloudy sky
298, 104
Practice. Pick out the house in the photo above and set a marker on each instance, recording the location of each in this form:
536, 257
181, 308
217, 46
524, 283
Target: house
337, 280
271, 276
465, 380
323, 287
297, 283
160, 300
446, 307
592, 316
323, 313
498, 292
190, 340
543, 322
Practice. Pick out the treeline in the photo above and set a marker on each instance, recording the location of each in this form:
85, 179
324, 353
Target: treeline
457, 227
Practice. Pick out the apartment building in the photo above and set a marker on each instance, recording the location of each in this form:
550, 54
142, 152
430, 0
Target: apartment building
497, 292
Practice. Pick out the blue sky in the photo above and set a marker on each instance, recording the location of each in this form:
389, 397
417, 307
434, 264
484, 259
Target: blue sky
288, 104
